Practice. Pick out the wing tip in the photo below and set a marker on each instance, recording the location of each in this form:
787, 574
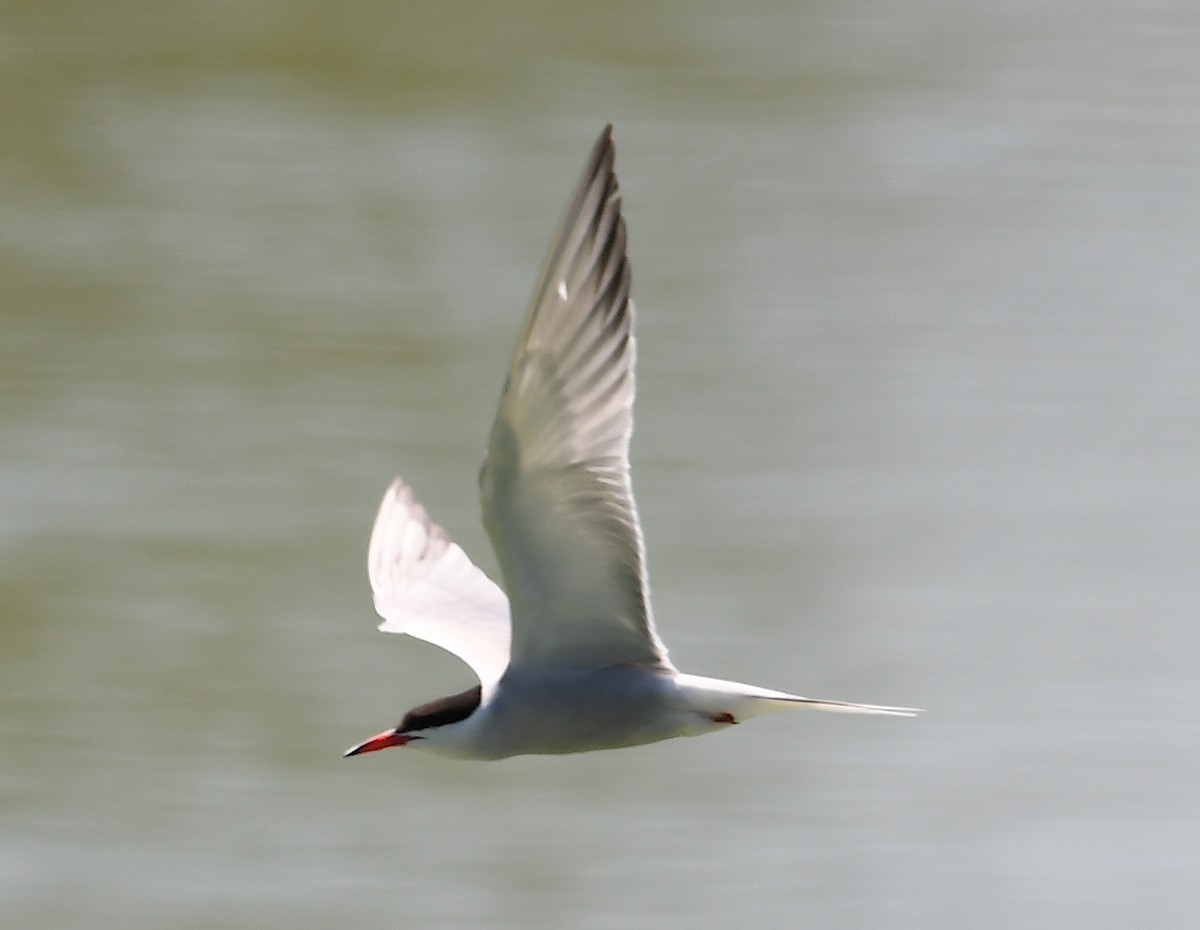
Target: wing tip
403, 535
603, 157
399, 489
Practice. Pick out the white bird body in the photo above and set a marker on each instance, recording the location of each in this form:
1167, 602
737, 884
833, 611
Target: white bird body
569, 660
563, 710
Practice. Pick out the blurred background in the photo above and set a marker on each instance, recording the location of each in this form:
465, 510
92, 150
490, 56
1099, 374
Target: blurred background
917, 286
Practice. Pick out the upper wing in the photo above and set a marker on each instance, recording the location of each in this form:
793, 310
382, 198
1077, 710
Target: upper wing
557, 501
425, 585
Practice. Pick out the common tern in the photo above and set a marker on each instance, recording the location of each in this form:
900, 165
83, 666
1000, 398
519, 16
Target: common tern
568, 661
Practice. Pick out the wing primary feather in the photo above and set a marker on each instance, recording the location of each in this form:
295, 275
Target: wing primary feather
557, 500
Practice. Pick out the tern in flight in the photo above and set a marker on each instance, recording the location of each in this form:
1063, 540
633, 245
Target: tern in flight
569, 659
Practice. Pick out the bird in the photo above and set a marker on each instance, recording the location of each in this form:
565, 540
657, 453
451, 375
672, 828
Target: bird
569, 659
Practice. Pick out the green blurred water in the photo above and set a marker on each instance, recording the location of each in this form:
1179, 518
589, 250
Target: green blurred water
916, 425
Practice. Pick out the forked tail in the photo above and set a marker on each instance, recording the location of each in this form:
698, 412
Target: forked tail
849, 707
716, 696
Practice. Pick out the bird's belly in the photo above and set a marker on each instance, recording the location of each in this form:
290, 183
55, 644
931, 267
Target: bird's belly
578, 710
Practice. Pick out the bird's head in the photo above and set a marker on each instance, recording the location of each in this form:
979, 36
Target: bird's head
421, 722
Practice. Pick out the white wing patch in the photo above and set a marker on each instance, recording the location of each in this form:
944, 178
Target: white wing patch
426, 586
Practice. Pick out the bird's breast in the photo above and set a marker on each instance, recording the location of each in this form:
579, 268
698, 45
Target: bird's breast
578, 710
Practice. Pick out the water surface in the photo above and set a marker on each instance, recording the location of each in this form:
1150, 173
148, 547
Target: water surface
917, 424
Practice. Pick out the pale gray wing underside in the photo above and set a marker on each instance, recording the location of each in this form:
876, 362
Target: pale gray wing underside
555, 488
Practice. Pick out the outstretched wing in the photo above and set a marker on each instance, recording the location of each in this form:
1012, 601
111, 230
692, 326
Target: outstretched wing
557, 500
425, 586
